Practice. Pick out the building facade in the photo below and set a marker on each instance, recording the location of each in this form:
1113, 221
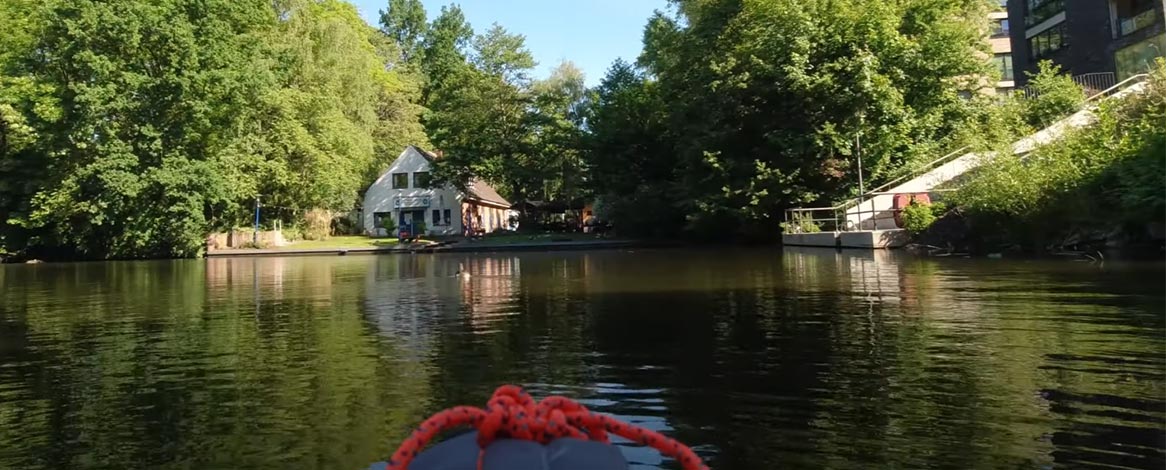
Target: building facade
403, 193
1098, 41
1001, 44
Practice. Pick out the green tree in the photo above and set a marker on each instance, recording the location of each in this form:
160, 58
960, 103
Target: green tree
556, 117
766, 98
131, 128
444, 47
480, 117
628, 155
319, 129
404, 22
499, 53
150, 93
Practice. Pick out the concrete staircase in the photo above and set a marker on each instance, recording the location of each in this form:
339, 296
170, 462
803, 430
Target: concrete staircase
875, 210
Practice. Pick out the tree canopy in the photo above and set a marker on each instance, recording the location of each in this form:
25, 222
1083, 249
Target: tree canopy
739, 108
132, 128
137, 126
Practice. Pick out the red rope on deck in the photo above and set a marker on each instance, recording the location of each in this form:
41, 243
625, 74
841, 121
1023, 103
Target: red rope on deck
513, 414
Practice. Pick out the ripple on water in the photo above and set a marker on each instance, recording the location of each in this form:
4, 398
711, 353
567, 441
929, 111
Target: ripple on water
758, 359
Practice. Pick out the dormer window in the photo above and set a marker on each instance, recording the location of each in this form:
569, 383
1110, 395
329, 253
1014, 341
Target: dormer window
421, 179
400, 180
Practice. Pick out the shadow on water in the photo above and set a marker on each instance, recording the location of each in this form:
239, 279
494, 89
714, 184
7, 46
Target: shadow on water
759, 359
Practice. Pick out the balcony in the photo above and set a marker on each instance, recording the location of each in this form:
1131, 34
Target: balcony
1041, 10
1136, 22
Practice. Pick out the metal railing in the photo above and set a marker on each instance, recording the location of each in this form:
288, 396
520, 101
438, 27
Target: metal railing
1091, 83
835, 218
916, 172
1118, 87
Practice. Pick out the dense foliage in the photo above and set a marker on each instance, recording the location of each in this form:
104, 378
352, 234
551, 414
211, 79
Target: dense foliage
131, 128
1107, 176
918, 216
740, 108
491, 120
1053, 96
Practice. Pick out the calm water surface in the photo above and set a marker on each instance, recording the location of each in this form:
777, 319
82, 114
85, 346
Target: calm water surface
758, 359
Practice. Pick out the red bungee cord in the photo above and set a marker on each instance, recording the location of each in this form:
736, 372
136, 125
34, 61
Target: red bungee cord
512, 413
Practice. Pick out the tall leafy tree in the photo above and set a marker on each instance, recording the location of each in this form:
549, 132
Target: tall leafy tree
404, 22
149, 94
445, 46
766, 98
499, 53
131, 128
557, 114
479, 116
320, 125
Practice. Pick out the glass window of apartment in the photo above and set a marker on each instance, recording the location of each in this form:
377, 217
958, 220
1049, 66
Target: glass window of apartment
436, 217
400, 180
1040, 10
1000, 28
448, 220
1140, 57
1133, 15
1048, 41
1004, 63
421, 179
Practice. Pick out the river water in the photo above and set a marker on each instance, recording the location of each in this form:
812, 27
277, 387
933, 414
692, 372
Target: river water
758, 359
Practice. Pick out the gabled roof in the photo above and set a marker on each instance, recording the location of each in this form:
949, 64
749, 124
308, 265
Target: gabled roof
425, 153
477, 189
481, 191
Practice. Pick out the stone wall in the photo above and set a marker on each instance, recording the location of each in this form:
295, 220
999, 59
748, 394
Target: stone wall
244, 238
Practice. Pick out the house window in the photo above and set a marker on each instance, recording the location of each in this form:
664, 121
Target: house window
378, 222
437, 217
400, 180
448, 220
1048, 41
1004, 64
1040, 10
1000, 28
421, 179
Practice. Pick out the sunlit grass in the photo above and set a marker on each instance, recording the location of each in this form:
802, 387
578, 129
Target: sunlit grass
353, 241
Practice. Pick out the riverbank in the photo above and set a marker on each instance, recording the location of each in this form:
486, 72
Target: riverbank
958, 233
341, 246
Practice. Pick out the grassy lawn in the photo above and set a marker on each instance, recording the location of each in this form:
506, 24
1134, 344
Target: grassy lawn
353, 241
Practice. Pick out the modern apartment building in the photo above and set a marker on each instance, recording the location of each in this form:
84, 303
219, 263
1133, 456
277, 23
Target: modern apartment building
1001, 43
1118, 37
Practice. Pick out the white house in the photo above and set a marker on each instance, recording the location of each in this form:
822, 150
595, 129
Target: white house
402, 193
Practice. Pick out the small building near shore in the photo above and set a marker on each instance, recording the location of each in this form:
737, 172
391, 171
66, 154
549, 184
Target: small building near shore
403, 193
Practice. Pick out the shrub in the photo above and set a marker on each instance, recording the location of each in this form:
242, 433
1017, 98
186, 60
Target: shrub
390, 225
1110, 173
317, 224
917, 217
1054, 96
800, 224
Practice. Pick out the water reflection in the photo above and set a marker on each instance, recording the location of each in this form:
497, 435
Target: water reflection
760, 359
